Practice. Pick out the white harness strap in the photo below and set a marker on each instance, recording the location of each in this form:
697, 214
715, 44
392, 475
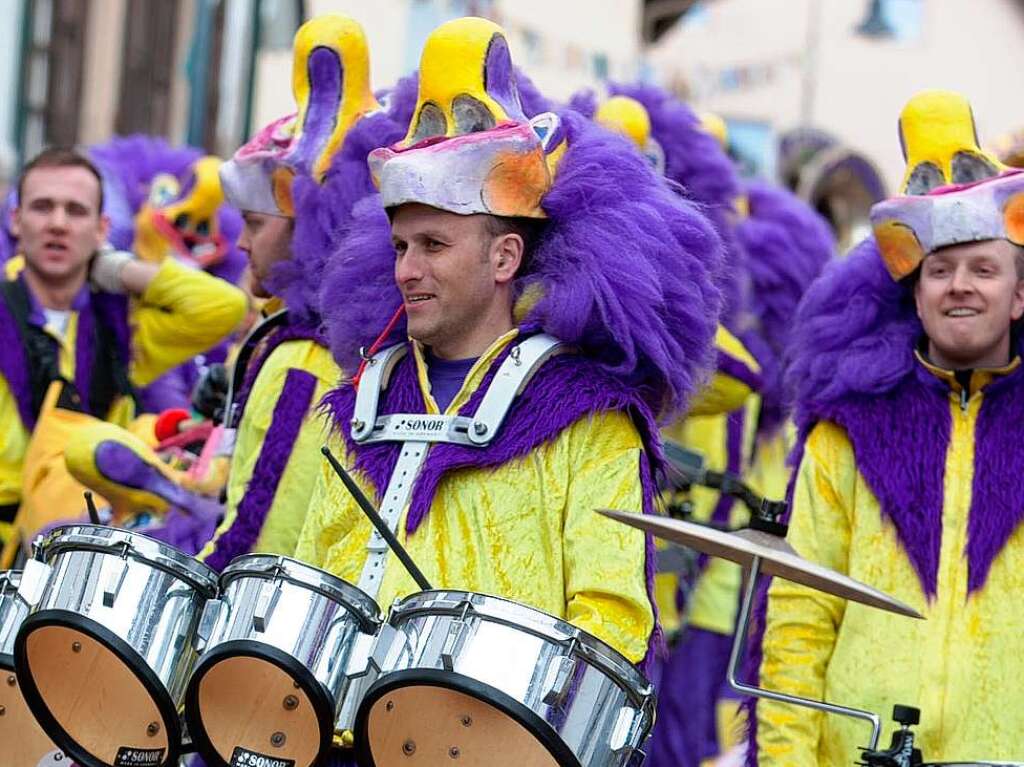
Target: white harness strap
417, 431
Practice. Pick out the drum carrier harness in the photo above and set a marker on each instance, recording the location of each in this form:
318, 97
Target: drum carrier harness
417, 431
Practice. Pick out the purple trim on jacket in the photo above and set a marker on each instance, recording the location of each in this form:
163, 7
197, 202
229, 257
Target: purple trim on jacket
290, 412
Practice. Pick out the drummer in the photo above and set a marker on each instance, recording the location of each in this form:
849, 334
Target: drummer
294, 182
65, 321
497, 228
911, 474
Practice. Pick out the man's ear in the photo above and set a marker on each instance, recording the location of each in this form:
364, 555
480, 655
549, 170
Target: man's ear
508, 256
14, 220
1017, 307
104, 229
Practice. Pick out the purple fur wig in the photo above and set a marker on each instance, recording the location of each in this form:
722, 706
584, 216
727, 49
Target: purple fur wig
695, 160
8, 242
323, 213
787, 245
854, 333
624, 265
129, 164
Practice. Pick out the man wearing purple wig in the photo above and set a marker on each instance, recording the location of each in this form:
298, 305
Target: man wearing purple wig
543, 296
910, 474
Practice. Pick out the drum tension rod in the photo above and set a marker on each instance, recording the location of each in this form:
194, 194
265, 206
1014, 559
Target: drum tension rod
374, 517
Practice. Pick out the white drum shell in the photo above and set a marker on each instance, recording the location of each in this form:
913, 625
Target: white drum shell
325, 624
599, 705
12, 612
146, 593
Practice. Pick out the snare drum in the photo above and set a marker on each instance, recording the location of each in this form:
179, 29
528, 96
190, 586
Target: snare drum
491, 682
106, 651
286, 647
24, 742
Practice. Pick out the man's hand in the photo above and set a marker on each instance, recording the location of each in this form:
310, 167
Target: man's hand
117, 271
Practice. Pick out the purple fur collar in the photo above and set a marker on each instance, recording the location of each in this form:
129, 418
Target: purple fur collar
900, 440
112, 312
565, 389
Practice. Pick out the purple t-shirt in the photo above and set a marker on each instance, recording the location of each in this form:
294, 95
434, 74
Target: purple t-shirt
446, 377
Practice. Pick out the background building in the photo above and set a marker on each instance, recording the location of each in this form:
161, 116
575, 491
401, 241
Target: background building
207, 72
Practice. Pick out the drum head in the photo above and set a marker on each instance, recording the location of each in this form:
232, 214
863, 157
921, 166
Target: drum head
424, 717
25, 743
98, 701
247, 701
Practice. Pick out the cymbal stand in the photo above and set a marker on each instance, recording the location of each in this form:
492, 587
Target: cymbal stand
738, 644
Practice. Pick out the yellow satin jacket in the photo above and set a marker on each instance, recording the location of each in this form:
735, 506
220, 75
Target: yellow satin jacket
280, 531
526, 530
962, 666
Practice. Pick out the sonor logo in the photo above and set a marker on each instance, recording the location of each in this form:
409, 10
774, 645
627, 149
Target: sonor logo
423, 424
139, 757
242, 757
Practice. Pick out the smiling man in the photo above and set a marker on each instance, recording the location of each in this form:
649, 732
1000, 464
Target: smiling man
64, 320
907, 364
556, 292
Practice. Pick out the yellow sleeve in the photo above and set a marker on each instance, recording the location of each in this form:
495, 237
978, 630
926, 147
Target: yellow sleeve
801, 624
13, 444
182, 313
605, 562
735, 378
284, 517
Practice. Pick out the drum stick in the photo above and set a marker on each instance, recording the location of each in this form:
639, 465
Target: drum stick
378, 522
94, 515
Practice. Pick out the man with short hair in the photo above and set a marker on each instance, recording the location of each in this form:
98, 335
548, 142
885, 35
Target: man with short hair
911, 475
493, 257
64, 320
291, 181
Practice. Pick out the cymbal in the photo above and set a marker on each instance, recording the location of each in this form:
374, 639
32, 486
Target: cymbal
776, 555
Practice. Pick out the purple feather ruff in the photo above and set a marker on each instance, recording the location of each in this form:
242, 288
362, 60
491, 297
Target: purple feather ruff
787, 245
695, 160
625, 266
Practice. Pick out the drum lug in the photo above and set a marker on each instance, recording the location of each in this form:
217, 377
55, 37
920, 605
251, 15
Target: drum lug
558, 681
453, 643
622, 732
266, 602
33, 580
114, 583
208, 621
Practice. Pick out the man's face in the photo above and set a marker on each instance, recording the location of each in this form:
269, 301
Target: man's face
967, 296
451, 274
58, 223
267, 240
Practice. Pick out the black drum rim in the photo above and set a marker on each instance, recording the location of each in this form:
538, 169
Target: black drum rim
323, 705
145, 675
474, 688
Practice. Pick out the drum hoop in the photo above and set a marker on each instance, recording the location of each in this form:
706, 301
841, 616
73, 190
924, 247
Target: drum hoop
9, 581
467, 685
354, 599
168, 559
60, 737
322, 704
594, 650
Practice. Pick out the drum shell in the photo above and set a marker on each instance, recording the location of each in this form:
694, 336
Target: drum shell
606, 709
13, 612
154, 612
326, 627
